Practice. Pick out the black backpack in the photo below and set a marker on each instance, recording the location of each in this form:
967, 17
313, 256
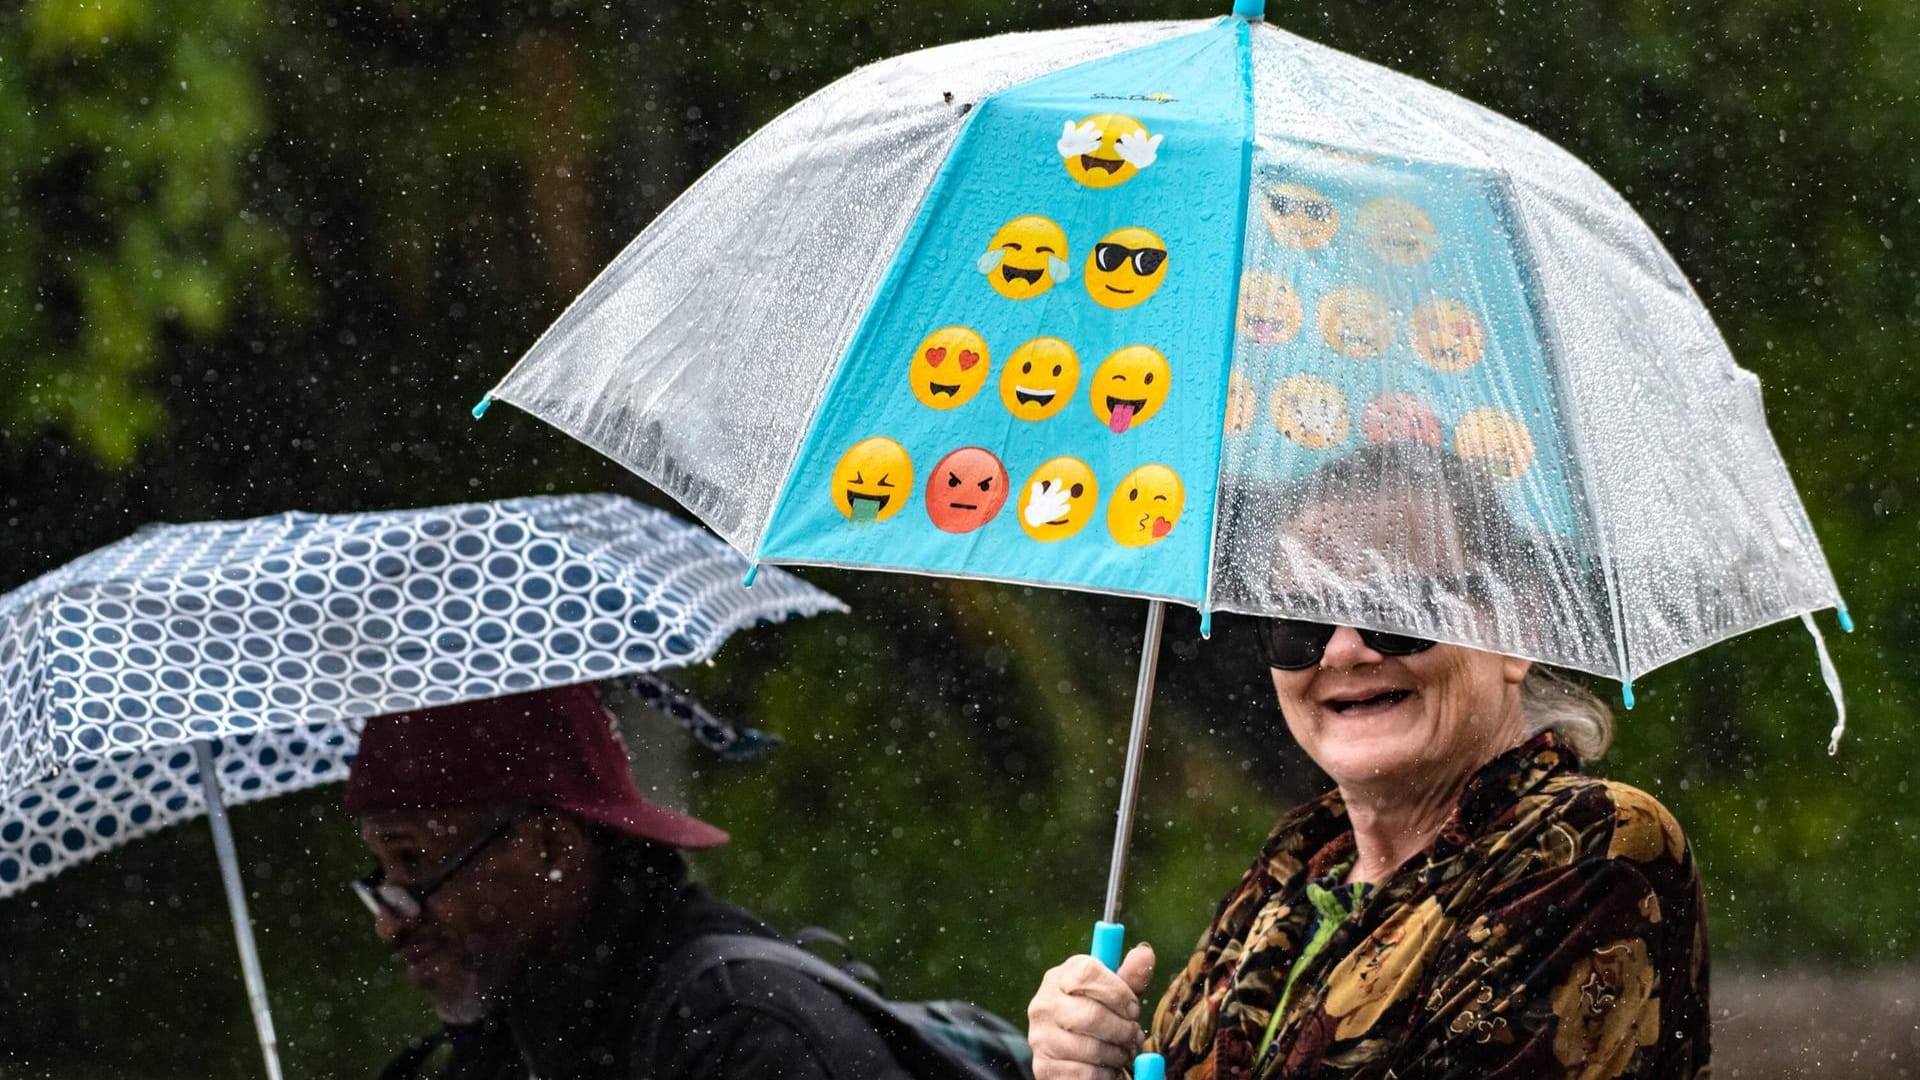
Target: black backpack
933, 1040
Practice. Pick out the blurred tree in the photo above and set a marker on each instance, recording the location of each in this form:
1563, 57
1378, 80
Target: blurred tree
256, 255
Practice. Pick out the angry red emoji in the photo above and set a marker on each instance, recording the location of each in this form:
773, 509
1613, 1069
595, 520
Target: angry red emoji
967, 488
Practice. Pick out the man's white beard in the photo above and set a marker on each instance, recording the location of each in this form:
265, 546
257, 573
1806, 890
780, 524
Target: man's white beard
467, 1005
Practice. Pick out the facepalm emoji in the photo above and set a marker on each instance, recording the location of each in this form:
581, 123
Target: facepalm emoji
873, 480
1356, 322
1269, 312
1058, 499
1300, 217
1126, 267
1496, 440
1026, 257
1397, 231
1106, 150
1146, 506
1311, 411
948, 368
1129, 387
1447, 336
966, 489
1039, 378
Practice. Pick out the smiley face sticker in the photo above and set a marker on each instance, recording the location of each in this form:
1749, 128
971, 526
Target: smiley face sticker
1447, 336
948, 368
1356, 322
1126, 267
966, 489
1106, 150
1129, 387
1058, 499
1269, 312
1039, 378
1300, 217
872, 481
1146, 506
1026, 257
1311, 411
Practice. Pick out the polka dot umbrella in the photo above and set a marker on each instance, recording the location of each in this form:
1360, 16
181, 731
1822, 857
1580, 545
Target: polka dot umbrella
192, 666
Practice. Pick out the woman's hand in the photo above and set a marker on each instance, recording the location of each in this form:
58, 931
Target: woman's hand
1084, 1023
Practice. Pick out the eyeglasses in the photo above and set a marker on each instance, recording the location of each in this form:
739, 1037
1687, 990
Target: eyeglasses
1296, 644
1110, 257
409, 902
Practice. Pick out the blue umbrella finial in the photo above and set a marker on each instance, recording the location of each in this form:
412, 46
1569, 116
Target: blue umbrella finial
1250, 9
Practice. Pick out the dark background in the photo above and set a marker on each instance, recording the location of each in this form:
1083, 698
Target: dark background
257, 256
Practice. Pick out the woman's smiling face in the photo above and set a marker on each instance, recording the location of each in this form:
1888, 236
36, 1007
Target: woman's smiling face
1415, 722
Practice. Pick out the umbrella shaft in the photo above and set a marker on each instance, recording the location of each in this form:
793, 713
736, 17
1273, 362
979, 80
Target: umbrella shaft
237, 907
1136, 748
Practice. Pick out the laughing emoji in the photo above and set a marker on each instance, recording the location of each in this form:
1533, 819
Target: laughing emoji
1026, 257
1106, 150
1299, 216
1146, 506
1129, 387
1058, 499
872, 481
948, 368
1356, 322
1126, 267
1039, 378
1447, 336
1397, 231
1269, 312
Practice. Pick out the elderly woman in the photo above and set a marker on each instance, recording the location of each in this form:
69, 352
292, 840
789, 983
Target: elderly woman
1466, 902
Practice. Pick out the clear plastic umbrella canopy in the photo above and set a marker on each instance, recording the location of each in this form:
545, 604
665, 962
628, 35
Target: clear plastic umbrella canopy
1201, 312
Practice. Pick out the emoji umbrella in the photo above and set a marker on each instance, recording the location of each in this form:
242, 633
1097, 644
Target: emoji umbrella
191, 666
1106, 308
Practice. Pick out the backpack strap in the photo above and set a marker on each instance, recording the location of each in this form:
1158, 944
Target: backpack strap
919, 1054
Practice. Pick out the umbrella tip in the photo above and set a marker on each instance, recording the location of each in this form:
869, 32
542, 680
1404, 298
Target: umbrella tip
480, 409
1206, 624
1250, 10
753, 571
1846, 620
1626, 693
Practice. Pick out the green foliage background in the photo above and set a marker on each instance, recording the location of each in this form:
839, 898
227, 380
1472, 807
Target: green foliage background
257, 255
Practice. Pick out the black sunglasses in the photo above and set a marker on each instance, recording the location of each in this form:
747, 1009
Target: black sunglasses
409, 902
1314, 209
1110, 257
1297, 644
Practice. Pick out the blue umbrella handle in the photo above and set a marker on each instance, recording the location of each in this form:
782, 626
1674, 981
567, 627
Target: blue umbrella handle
1109, 941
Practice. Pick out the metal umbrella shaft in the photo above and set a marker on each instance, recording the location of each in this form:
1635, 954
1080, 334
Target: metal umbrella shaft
1136, 749
237, 907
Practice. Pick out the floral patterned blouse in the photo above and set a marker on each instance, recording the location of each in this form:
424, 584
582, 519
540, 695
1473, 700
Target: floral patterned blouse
1554, 928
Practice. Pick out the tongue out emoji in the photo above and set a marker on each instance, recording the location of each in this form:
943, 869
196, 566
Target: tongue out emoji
1129, 387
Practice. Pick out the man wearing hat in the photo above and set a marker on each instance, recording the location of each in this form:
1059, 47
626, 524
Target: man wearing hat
541, 902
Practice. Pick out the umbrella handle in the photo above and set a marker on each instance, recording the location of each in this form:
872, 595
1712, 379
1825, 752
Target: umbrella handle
237, 907
1109, 939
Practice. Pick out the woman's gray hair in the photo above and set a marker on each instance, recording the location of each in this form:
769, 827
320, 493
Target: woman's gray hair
1553, 702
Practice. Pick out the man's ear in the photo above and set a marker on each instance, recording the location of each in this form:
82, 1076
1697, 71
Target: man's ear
565, 841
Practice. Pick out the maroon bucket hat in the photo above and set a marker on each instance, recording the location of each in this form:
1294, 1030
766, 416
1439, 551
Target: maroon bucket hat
549, 747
